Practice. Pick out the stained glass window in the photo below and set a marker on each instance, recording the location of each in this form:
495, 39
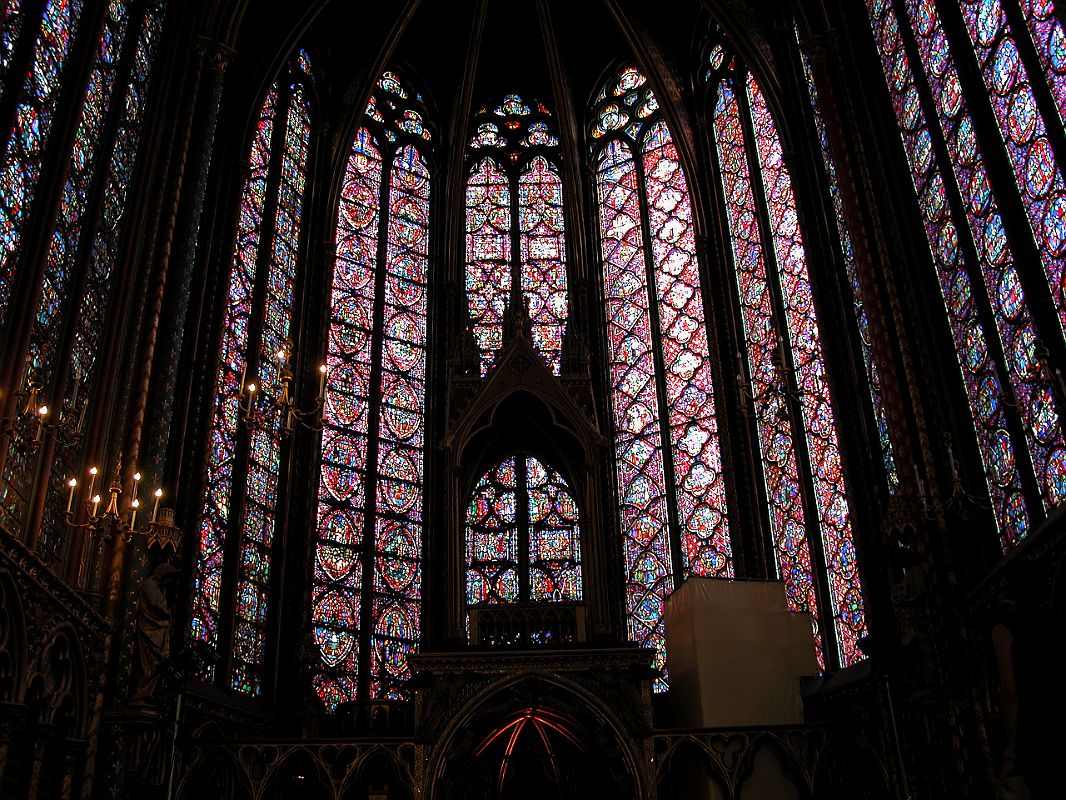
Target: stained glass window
24, 152
808, 365
368, 576
523, 536
669, 468
995, 333
245, 443
515, 233
82, 250
873, 373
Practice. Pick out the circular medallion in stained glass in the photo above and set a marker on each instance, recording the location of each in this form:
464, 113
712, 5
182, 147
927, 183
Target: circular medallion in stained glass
1055, 477
1000, 456
1016, 517
335, 616
1040, 168
403, 292
911, 109
989, 21
994, 239
986, 400
923, 150
1056, 48
1005, 66
408, 223
1011, 298
349, 333
400, 481
613, 117
358, 205
630, 79
852, 612
1045, 417
1055, 226
1022, 116
950, 95
403, 342
398, 574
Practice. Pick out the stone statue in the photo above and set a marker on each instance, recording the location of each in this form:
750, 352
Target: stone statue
153, 632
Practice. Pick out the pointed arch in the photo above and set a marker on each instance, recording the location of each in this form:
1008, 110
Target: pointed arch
366, 596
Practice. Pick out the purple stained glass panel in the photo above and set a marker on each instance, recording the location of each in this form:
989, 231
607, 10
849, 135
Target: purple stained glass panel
698, 479
1024, 133
22, 158
984, 391
488, 256
823, 448
765, 358
215, 522
543, 256
641, 472
342, 489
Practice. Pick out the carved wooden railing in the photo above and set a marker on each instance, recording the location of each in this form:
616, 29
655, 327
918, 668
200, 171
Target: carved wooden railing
527, 625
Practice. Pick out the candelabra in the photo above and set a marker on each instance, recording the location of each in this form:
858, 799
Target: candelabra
160, 530
35, 417
283, 403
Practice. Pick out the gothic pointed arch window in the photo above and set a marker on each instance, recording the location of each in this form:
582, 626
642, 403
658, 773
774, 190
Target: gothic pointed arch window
977, 91
71, 288
231, 610
782, 366
367, 590
523, 539
671, 486
515, 231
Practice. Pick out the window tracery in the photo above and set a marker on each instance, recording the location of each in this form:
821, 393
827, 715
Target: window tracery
523, 536
515, 229
669, 469
368, 564
977, 247
83, 249
246, 428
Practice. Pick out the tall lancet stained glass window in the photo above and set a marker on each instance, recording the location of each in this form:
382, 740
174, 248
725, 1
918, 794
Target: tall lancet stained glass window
993, 203
669, 466
523, 536
515, 234
783, 367
368, 561
74, 279
236, 533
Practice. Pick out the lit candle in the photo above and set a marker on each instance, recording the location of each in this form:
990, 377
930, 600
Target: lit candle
92, 479
42, 412
134, 504
155, 508
322, 380
96, 503
73, 484
136, 481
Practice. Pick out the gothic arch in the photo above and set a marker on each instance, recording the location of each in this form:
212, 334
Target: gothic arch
57, 687
492, 703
